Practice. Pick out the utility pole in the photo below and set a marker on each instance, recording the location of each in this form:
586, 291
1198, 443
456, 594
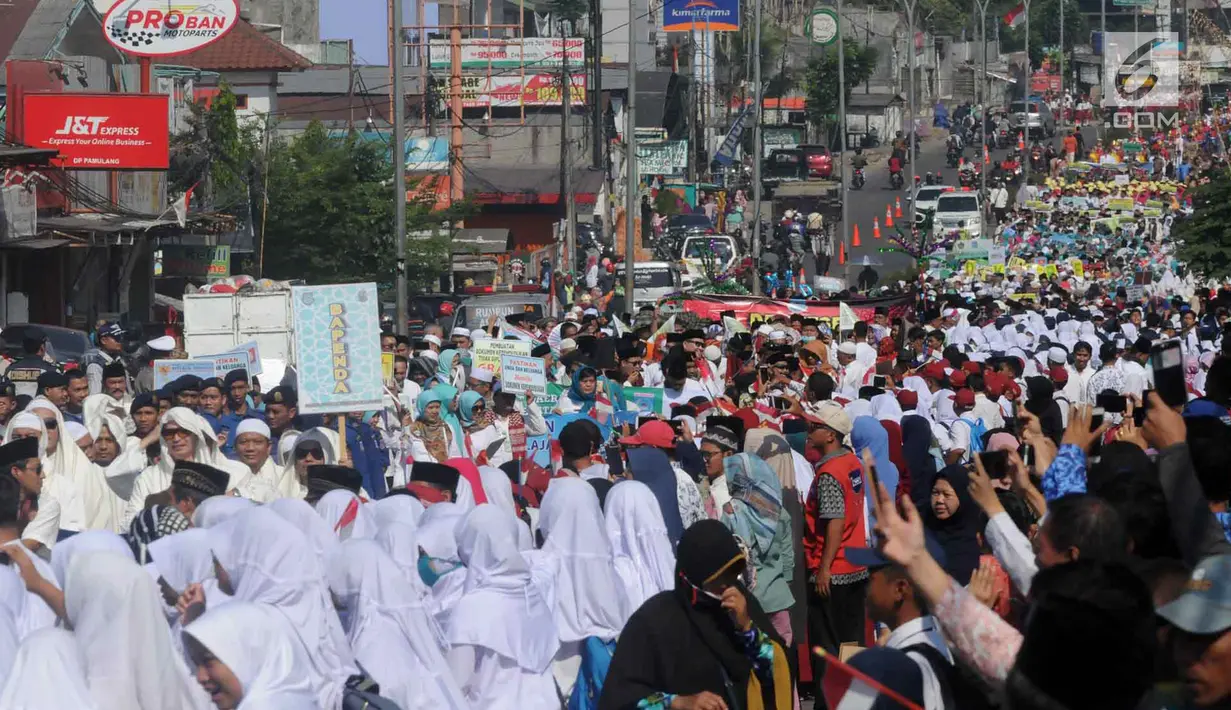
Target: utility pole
596, 109
756, 144
694, 108
1025, 159
910, 135
399, 167
1102, 13
457, 191
843, 191
566, 166
981, 5
1061, 66
630, 161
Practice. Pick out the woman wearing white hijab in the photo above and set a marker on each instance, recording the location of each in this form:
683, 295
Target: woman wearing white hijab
48, 673
643, 556
267, 560
589, 596
499, 490
396, 506
204, 449
298, 513
437, 538
392, 635
400, 539
503, 635
264, 661
30, 611
215, 509
319, 440
186, 558
59, 503
85, 542
346, 515
118, 624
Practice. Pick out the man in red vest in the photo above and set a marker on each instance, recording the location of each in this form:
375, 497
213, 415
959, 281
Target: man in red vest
833, 522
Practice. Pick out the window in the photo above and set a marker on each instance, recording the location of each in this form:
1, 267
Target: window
241, 101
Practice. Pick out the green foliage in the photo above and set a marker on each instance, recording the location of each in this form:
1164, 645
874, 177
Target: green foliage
733, 56
820, 81
1205, 237
215, 154
666, 203
1044, 29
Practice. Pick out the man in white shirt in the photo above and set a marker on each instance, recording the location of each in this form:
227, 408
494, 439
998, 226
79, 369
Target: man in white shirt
1080, 373
852, 370
984, 408
893, 601
1136, 377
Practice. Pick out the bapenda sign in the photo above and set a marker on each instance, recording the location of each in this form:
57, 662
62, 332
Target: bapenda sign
156, 28
103, 131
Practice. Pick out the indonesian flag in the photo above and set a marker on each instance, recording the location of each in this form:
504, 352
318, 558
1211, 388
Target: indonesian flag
181, 206
1016, 16
848, 689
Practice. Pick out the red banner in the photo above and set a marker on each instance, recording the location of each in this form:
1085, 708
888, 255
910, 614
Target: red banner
99, 131
751, 310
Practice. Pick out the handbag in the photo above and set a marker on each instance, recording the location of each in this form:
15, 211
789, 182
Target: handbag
363, 693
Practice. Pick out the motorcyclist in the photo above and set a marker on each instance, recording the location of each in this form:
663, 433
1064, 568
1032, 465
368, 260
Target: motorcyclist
858, 160
895, 164
955, 143
928, 179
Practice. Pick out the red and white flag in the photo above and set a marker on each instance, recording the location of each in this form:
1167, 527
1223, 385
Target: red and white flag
846, 688
181, 206
1016, 16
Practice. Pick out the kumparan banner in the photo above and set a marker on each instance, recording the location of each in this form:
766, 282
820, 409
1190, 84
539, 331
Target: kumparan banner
337, 346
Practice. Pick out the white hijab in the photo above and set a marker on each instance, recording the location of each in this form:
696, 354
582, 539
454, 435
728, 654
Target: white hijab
215, 509
298, 513
119, 627
262, 651
396, 507
30, 612
886, 407
590, 596
48, 673
270, 562
399, 538
436, 536
393, 636
499, 490
638, 535
183, 558
346, 515
502, 609
289, 485
85, 541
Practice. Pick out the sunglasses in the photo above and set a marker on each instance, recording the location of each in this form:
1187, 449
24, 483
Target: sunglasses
170, 434
50, 423
313, 450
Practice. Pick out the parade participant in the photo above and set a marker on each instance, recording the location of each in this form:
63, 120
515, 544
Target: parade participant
110, 351
75, 393
643, 555
253, 448
210, 409
281, 412
53, 386
432, 439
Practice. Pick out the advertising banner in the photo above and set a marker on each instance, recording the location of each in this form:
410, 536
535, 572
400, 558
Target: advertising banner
649, 400
534, 53
515, 90
704, 15
337, 338
167, 371
183, 261
252, 352
105, 131
665, 158
751, 310
156, 28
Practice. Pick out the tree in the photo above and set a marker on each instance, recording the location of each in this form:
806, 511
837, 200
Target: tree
1205, 238
215, 154
733, 52
820, 82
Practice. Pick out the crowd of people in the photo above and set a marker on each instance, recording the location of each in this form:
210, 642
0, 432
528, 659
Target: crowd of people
987, 497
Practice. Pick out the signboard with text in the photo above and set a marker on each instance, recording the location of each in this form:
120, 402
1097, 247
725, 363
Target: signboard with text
337, 338
102, 131
523, 374
702, 15
156, 28
665, 158
515, 90
534, 53
487, 352
183, 261
168, 371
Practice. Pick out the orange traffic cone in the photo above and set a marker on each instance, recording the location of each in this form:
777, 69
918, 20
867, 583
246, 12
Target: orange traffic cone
1021, 141
842, 249
897, 207
855, 238
876, 228
888, 216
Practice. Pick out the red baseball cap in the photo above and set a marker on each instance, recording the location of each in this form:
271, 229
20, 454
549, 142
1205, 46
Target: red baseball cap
958, 378
909, 399
1058, 374
934, 371
964, 398
972, 367
994, 383
656, 433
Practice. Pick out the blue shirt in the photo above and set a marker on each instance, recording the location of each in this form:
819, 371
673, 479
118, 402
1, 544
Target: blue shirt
368, 453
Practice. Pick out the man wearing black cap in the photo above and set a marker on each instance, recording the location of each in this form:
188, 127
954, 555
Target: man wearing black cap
325, 478
187, 389
19, 459
8, 401
53, 386
433, 482
109, 352
192, 483
678, 387
25, 371
281, 408
116, 382
144, 413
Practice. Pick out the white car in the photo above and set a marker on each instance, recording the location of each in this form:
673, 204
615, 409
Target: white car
696, 250
925, 199
959, 211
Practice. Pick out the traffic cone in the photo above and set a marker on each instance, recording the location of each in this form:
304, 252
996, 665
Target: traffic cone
888, 216
1021, 141
855, 238
842, 249
897, 207
876, 228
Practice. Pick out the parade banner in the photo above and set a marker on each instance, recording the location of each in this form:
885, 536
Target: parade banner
487, 352
752, 310
523, 374
168, 371
648, 400
227, 362
253, 352
337, 340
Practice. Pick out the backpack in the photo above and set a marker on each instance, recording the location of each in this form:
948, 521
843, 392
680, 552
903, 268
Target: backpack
960, 688
977, 431
595, 659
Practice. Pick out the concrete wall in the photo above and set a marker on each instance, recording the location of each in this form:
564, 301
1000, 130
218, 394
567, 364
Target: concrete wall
508, 143
615, 32
300, 19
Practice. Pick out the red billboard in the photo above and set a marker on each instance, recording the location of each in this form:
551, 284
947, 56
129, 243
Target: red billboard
99, 131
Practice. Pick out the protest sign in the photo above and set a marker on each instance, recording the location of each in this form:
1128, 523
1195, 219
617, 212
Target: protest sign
523, 374
253, 353
386, 366
167, 371
487, 352
337, 339
648, 400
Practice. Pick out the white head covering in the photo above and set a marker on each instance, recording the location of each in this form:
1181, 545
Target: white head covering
76, 431
215, 509
269, 561
183, 558
590, 596
638, 535
85, 541
502, 609
30, 612
260, 647
288, 483
393, 636
346, 515
118, 624
48, 672
310, 524
252, 426
437, 539
499, 490
396, 507
91, 502
885, 406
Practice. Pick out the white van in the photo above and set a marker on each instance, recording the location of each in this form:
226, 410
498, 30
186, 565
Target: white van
652, 280
961, 211
695, 250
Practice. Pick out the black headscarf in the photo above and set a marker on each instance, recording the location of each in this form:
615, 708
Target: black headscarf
916, 445
1040, 401
957, 533
682, 641
652, 467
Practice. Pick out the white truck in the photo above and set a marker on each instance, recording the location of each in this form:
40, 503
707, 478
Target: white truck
219, 322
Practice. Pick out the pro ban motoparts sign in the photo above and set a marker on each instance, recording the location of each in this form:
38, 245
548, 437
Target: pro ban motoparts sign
99, 131
158, 28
